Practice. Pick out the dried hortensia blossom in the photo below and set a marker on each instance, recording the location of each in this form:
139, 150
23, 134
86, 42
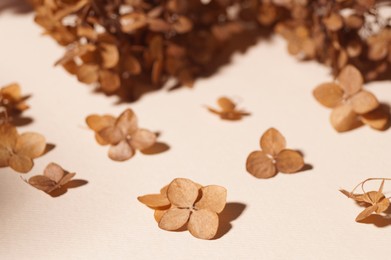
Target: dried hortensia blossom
122, 134
228, 110
274, 157
184, 203
53, 178
351, 104
18, 150
374, 201
12, 100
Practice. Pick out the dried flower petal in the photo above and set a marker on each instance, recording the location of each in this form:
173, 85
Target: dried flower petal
260, 165
20, 163
377, 119
343, 118
121, 151
203, 224
31, 145
289, 161
182, 192
154, 201
351, 80
142, 139
174, 219
328, 94
272, 142
213, 198
364, 102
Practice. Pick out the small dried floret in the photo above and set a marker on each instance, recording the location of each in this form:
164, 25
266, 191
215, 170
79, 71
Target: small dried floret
228, 110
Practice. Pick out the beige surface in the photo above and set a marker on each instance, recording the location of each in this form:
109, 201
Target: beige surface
301, 216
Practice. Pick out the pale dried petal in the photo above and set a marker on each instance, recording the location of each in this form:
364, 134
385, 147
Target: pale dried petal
5, 155
260, 165
182, 192
377, 119
20, 163
289, 161
203, 224
121, 151
42, 183
111, 134
30, 144
154, 200
366, 212
54, 172
343, 118
8, 135
127, 122
213, 198
272, 142
226, 104
174, 219
88, 73
97, 123
142, 139
132, 65
67, 177
109, 81
350, 79
110, 55
328, 94
364, 102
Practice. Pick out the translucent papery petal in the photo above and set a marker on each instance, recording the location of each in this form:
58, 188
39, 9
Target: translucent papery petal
351, 80
67, 177
343, 118
142, 139
155, 201
226, 104
272, 142
366, 213
182, 192
382, 205
203, 224
260, 165
377, 119
30, 144
127, 122
289, 161
42, 183
364, 102
5, 156
174, 219
213, 198
328, 94
54, 172
20, 163
8, 135
111, 135
121, 151
97, 123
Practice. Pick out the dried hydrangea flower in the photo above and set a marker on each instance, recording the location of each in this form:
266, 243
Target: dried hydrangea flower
228, 110
375, 201
53, 178
184, 203
11, 98
351, 104
18, 151
274, 157
122, 134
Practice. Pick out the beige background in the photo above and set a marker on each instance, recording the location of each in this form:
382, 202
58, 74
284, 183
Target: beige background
300, 216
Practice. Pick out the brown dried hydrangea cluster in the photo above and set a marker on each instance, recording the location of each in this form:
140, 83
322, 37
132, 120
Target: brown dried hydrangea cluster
117, 44
186, 204
375, 202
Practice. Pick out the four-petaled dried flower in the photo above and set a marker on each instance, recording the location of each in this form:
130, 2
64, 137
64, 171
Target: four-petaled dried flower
11, 98
52, 179
273, 157
228, 110
374, 201
351, 104
18, 151
121, 133
184, 203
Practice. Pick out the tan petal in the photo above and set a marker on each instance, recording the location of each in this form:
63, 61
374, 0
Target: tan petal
182, 192
110, 55
289, 161
378, 50
328, 94
377, 119
20, 163
272, 142
30, 144
109, 81
127, 122
260, 165
334, 22
121, 151
54, 172
226, 104
343, 118
154, 200
67, 177
174, 219
213, 198
203, 224
364, 102
366, 213
88, 73
383, 205
42, 183
8, 135
12, 91
142, 139
111, 135
164, 190
97, 123
158, 214
183, 25
132, 65
370, 197
5, 155
133, 21
351, 80
100, 139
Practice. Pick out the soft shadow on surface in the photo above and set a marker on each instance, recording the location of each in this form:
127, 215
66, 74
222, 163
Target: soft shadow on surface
70, 185
231, 212
16, 6
377, 220
48, 148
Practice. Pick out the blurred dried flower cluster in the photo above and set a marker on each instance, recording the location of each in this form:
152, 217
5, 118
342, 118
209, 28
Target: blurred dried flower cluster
118, 44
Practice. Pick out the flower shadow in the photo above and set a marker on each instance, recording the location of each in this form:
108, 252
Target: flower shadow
231, 212
157, 148
377, 220
70, 185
